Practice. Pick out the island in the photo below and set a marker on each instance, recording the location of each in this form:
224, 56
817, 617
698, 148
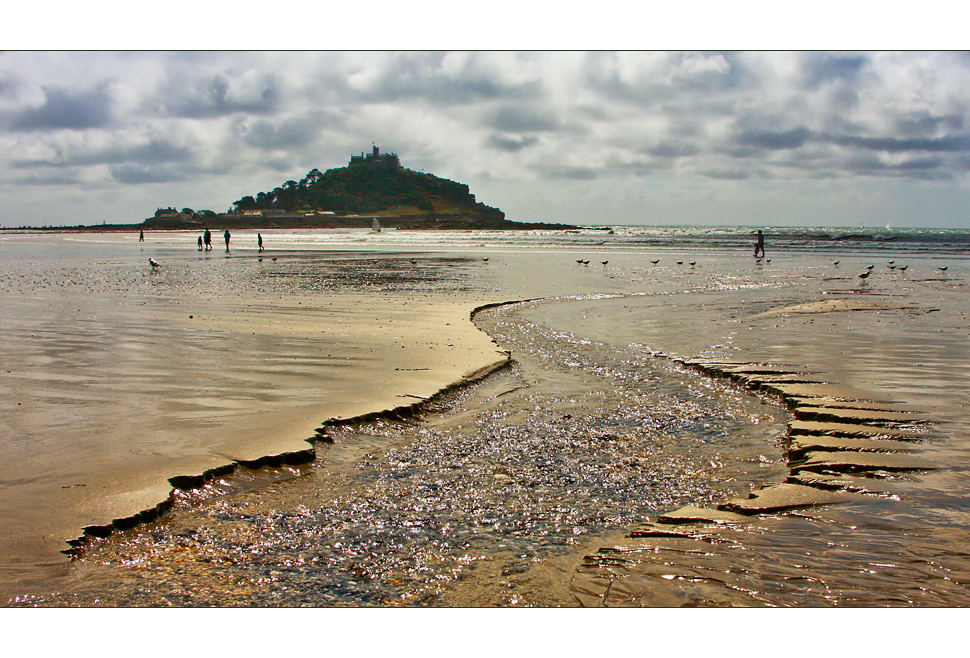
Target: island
371, 187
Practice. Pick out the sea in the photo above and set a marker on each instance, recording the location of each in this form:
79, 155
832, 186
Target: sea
497, 493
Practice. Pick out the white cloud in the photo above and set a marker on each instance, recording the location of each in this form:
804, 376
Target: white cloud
621, 128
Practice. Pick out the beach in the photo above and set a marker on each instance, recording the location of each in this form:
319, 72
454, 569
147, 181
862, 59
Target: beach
535, 451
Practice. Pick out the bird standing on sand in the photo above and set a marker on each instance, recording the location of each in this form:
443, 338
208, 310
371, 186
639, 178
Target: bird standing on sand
943, 269
153, 263
655, 261
865, 275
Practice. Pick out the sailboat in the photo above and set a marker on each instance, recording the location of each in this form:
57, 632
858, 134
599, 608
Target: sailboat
377, 226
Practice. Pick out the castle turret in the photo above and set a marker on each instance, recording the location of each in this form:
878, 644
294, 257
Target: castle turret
375, 160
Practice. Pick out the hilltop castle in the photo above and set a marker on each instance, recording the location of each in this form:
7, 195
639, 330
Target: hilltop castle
375, 160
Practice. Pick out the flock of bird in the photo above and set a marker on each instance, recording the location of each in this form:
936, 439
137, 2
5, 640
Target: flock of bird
891, 265
865, 275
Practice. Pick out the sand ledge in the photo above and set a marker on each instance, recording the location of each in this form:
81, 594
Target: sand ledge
77, 546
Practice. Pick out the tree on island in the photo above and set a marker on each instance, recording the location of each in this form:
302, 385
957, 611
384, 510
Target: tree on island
360, 189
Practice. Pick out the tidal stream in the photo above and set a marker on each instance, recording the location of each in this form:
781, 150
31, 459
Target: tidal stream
465, 505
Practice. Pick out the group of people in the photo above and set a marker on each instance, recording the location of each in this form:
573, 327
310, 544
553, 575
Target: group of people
205, 240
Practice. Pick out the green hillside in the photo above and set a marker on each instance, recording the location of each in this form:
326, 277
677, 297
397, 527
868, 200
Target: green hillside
361, 188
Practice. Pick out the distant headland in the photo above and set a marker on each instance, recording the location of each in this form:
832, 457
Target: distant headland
372, 185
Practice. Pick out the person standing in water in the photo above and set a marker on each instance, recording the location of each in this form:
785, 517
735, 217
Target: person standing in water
259, 241
761, 245
226, 236
200, 243
208, 240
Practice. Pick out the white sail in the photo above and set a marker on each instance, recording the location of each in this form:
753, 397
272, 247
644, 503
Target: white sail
377, 226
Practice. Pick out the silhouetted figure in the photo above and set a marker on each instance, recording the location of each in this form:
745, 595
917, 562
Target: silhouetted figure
227, 236
259, 241
200, 243
760, 247
141, 236
207, 237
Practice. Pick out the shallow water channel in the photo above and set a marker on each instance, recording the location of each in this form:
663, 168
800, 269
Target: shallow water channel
471, 504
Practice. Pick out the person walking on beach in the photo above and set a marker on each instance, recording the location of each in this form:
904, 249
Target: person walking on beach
259, 241
208, 240
226, 236
141, 236
200, 243
761, 245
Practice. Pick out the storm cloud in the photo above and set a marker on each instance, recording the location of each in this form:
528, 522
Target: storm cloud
715, 131
65, 109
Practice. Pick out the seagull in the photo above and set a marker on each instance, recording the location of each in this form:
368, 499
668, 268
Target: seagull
892, 267
835, 262
865, 275
680, 262
153, 263
692, 263
604, 262
891, 262
869, 267
484, 260
903, 268
655, 261
943, 269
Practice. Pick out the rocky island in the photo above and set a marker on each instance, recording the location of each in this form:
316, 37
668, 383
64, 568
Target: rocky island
371, 186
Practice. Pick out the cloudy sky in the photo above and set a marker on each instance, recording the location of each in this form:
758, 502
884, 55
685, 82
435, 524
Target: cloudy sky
637, 137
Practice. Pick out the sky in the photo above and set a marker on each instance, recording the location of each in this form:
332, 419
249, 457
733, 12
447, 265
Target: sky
601, 137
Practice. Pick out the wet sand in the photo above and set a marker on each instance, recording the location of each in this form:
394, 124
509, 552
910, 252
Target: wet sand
872, 511
900, 342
